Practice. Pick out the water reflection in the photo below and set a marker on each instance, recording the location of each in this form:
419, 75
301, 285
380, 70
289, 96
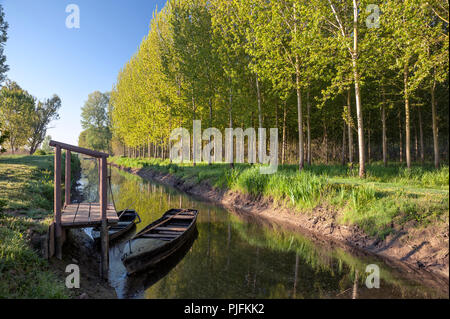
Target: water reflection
236, 257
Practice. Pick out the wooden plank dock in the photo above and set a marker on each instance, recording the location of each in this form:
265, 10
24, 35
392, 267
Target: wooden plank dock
80, 215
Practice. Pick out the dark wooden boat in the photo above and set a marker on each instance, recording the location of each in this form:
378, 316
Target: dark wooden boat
127, 219
159, 240
145, 279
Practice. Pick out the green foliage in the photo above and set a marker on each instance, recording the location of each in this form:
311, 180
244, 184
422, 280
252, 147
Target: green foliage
96, 122
16, 112
42, 115
24, 274
45, 145
3, 37
26, 182
4, 135
26, 191
388, 195
40, 153
244, 63
24, 119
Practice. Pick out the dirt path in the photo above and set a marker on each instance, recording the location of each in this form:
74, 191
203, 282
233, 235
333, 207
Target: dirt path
423, 252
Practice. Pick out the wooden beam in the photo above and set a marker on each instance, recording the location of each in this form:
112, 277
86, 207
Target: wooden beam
103, 207
67, 184
77, 149
57, 203
51, 240
76, 212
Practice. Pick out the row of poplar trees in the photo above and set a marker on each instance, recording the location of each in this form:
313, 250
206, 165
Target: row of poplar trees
346, 72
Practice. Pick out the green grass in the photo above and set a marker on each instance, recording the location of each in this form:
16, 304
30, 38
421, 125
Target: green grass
23, 273
26, 204
26, 182
387, 197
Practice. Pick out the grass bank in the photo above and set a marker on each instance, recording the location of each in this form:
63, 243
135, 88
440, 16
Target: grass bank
26, 205
387, 199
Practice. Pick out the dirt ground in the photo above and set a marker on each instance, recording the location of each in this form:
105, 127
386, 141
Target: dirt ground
423, 252
78, 250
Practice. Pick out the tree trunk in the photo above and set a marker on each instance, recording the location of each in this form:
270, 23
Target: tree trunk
308, 128
401, 136
422, 150
283, 150
299, 102
407, 118
359, 113
416, 144
383, 137
210, 125
258, 92
231, 115
194, 142
276, 115
11, 143
343, 145
369, 150
434, 125
349, 126
325, 141
149, 149
300, 118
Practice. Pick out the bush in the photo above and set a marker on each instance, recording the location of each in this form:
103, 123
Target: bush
40, 153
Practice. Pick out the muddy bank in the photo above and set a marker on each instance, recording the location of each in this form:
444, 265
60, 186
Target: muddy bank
423, 253
79, 250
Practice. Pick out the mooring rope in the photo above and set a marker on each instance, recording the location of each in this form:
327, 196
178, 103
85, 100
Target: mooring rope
114, 203
110, 188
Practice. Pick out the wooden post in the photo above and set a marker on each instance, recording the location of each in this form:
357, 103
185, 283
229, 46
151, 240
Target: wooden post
99, 168
104, 227
57, 203
67, 181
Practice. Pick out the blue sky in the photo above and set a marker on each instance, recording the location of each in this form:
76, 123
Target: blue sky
46, 58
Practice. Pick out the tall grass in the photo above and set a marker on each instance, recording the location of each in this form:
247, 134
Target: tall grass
358, 202
23, 273
26, 189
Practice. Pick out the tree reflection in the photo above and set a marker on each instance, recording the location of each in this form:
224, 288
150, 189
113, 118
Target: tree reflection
237, 258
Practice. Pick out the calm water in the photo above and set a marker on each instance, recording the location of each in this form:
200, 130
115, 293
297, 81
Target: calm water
237, 257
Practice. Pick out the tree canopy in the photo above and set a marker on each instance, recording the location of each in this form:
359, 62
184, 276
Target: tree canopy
3, 37
323, 70
24, 118
95, 120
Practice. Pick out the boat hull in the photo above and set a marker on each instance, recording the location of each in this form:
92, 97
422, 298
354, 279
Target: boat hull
144, 253
126, 223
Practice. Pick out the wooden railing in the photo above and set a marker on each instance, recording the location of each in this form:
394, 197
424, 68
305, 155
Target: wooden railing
57, 194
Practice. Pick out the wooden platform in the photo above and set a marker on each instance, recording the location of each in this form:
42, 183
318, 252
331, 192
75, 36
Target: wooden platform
81, 215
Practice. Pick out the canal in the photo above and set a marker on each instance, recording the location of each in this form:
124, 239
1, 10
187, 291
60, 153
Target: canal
234, 256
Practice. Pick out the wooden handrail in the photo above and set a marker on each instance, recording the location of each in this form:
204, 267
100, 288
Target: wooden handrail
77, 149
103, 196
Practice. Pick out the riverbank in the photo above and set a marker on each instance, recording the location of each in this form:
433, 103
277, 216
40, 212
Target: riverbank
26, 205
399, 215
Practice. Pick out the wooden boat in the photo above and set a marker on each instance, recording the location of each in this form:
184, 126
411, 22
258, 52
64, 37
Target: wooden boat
142, 281
159, 240
126, 222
